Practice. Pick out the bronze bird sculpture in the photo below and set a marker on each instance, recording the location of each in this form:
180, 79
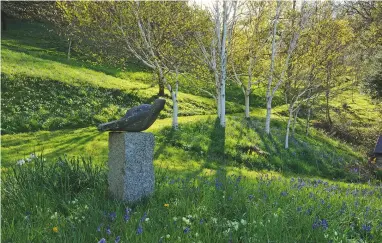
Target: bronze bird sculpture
137, 119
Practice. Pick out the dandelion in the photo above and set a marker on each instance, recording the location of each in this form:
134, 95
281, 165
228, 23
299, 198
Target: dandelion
55, 229
102, 240
166, 205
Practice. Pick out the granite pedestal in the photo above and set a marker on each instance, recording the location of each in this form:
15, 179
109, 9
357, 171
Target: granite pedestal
131, 169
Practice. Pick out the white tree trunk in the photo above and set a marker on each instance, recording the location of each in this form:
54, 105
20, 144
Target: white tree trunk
223, 64
288, 127
268, 116
308, 121
246, 94
269, 94
295, 120
174, 96
69, 48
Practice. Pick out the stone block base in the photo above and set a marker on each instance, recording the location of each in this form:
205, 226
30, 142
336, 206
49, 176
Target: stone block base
131, 169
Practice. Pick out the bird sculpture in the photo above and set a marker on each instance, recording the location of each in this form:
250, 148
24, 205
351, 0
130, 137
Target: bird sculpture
137, 119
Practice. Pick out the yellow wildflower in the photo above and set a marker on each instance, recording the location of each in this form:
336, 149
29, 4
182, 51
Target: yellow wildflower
55, 229
166, 205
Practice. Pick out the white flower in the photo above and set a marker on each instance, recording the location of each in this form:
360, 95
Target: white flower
175, 218
235, 225
243, 221
86, 207
167, 236
20, 162
33, 156
147, 219
215, 220
187, 221
196, 234
28, 159
54, 216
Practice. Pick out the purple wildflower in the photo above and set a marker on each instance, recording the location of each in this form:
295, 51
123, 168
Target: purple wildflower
284, 194
102, 240
186, 230
366, 228
108, 231
139, 230
126, 217
144, 217
112, 216
117, 239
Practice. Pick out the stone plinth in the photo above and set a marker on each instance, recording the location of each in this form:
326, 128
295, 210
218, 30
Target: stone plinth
131, 169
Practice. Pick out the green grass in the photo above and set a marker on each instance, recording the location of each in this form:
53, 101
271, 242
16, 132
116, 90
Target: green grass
216, 187
203, 206
199, 140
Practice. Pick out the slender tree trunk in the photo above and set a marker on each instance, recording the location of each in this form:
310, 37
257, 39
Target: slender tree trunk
288, 127
307, 122
295, 120
223, 64
218, 101
161, 82
268, 116
327, 95
174, 96
269, 94
69, 48
246, 94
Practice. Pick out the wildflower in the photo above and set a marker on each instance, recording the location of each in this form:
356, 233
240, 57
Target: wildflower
166, 205
187, 221
196, 234
215, 220
112, 216
117, 239
99, 228
144, 217
28, 160
20, 162
175, 219
250, 197
201, 221
108, 231
32, 156
366, 227
102, 240
139, 230
168, 236
54, 216
243, 221
147, 219
284, 194
186, 230
55, 229
126, 217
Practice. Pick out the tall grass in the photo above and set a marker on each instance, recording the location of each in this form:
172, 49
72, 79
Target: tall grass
67, 201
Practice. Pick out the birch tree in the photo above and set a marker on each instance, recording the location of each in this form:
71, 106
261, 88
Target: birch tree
249, 42
214, 52
271, 89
